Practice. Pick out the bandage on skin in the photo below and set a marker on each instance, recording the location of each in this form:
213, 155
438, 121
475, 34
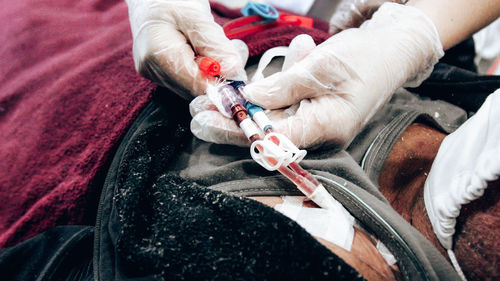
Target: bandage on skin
401, 182
363, 256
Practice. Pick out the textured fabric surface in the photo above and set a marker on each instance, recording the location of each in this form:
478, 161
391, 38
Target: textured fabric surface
68, 92
63, 253
458, 86
158, 226
164, 226
260, 42
231, 170
461, 55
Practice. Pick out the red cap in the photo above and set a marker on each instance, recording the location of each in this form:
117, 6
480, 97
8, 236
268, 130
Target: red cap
209, 66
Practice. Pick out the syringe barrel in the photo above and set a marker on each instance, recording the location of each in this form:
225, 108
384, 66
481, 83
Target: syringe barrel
230, 98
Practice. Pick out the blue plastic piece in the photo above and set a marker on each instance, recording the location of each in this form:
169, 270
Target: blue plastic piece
236, 84
266, 11
252, 108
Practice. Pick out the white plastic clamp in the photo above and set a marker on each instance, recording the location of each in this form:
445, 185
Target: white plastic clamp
287, 145
271, 155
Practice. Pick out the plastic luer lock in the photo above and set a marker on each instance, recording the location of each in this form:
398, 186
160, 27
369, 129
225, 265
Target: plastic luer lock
275, 151
209, 66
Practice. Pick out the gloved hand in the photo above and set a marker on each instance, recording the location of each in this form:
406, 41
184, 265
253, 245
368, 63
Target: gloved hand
332, 92
352, 13
169, 34
467, 160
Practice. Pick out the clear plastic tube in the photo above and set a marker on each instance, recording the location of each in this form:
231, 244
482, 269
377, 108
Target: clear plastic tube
230, 98
304, 180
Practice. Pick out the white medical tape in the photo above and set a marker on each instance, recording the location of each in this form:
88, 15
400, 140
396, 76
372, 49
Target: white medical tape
261, 119
325, 200
249, 128
333, 226
290, 207
386, 253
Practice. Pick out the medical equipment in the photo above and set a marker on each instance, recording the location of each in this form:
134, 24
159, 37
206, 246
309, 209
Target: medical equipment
167, 35
273, 151
241, 27
208, 66
264, 10
334, 227
327, 94
258, 17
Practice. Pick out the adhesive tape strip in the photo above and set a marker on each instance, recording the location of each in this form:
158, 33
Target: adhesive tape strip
333, 226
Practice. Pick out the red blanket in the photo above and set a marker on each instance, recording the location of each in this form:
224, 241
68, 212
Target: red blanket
68, 92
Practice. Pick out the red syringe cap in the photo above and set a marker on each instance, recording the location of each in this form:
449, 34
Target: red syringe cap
209, 66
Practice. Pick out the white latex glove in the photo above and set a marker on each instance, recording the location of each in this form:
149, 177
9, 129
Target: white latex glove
209, 125
352, 13
467, 160
332, 92
169, 34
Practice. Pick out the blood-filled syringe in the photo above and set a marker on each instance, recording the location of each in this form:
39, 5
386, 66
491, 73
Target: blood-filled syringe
231, 101
312, 188
233, 104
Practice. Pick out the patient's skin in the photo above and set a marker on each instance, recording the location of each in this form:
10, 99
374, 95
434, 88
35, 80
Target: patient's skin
404, 173
364, 256
402, 181
416, 149
477, 245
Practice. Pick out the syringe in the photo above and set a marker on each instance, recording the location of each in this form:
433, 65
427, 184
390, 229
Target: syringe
313, 189
283, 154
232, 102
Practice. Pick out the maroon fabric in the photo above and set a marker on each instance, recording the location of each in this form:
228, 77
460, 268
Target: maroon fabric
68, 92
278, 36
